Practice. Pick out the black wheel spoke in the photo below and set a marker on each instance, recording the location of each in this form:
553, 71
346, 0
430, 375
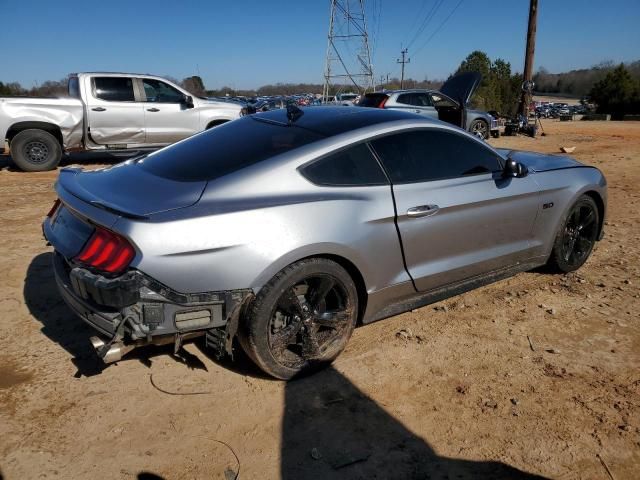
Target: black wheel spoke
569, 248
587, 220
583, 244
310, 346
320, 291
575, 218
286, 336
334, 320
289, 302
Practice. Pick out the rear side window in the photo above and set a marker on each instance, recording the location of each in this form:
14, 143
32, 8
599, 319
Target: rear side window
351, 167
372, 100
425, 155
74, 87
415, 98
114, 89
226, 149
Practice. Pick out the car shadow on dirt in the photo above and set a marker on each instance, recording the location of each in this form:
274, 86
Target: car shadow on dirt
59, 323
331, 429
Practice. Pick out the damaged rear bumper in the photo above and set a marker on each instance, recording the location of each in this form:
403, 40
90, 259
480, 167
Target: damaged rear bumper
134, 309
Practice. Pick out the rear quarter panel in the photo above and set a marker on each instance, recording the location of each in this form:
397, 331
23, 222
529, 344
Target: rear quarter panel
66, 113
238, 238
245, 248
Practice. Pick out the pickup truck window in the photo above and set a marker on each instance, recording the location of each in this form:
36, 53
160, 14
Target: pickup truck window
114, 89
74, 87
157, 91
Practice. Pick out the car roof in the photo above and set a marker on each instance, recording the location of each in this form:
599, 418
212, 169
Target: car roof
331, 121
408, 90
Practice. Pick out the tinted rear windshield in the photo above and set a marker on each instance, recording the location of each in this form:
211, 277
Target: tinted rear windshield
226, 149
372, 99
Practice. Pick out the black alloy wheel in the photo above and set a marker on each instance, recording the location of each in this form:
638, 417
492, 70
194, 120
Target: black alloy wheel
301, 319
577, 237
308, 319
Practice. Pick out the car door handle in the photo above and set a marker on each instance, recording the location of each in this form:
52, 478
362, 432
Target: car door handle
423, 211
153, 109
98, 109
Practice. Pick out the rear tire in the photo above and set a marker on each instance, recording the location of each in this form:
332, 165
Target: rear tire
480, 128
302, 319
576, 237
35, 150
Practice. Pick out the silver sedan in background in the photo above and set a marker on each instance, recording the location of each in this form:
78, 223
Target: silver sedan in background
287, 229
449, 104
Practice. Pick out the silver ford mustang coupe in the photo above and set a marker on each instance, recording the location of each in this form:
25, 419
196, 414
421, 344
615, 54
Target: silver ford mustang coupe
286, 229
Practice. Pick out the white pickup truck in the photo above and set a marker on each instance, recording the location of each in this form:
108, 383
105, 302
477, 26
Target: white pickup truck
104, 111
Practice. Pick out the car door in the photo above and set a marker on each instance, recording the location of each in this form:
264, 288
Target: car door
416, 102
457, 217
167, 116
114, 116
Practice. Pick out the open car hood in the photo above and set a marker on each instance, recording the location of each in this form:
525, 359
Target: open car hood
462, 86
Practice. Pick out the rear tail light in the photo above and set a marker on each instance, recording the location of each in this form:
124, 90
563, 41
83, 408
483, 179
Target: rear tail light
55, 206
106, 251
384, 100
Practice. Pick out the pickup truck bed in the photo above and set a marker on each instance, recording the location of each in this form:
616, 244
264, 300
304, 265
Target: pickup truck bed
104, 111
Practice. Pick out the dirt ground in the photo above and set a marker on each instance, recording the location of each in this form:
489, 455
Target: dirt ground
533, 376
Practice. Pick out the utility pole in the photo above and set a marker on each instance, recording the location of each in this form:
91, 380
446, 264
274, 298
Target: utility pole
527, 86
348, 54
403, 61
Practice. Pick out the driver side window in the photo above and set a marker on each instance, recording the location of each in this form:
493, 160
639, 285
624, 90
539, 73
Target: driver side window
428, 155
160, 92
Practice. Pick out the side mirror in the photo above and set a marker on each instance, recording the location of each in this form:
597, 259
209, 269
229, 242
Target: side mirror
513, 169
188, 101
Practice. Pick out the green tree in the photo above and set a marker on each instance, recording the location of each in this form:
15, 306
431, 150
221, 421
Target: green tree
618, 93
499, 89
478, 61
194, 85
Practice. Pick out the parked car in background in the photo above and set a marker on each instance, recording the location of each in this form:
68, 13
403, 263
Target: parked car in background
448, 104
346, 99
104, 111
287, 228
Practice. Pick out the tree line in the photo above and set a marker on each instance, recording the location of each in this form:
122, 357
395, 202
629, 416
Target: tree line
578, 83
614, 89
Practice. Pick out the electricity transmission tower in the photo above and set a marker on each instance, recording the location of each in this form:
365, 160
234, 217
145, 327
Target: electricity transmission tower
348, 60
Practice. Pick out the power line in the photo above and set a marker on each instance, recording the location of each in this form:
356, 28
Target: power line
425, 23
418, 15
439, 27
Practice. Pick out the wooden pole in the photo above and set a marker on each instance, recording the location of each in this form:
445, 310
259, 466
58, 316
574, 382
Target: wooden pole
528, 58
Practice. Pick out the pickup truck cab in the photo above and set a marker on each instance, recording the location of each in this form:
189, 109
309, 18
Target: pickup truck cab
104, 111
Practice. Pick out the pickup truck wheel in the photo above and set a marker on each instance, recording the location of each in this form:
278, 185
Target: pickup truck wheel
301, 319
35, 150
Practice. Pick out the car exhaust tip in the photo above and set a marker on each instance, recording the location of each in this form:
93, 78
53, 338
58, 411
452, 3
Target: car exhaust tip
110, 353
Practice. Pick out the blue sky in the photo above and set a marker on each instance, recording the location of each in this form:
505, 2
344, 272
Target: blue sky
245, 44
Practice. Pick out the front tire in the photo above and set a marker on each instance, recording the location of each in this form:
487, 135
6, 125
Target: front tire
577, 236
34, 150
302, 319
